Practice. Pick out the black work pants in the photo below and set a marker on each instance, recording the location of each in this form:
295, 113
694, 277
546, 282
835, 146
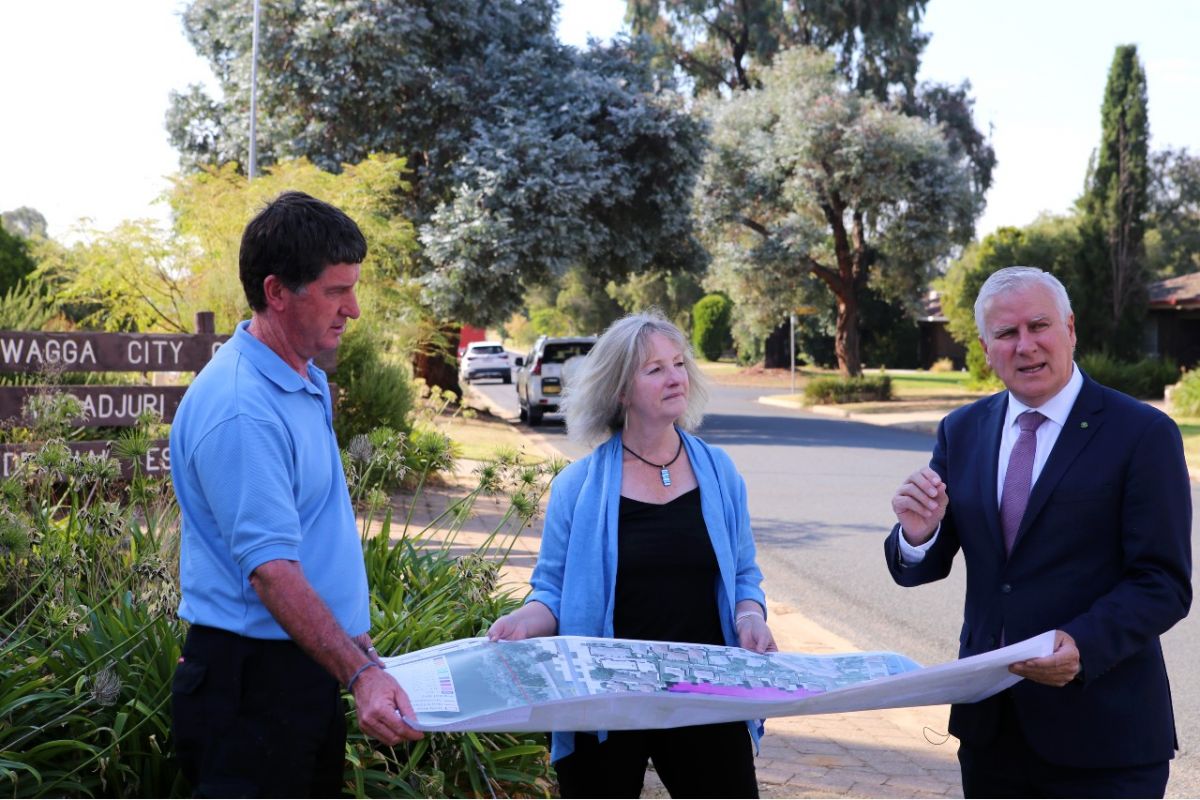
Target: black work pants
696, 761
256, 718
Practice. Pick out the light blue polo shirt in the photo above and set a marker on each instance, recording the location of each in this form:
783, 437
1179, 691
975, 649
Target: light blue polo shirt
258, 476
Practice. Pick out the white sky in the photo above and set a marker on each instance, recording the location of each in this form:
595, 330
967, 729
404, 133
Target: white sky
86, 85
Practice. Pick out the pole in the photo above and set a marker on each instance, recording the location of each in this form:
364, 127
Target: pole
792, 342
253, 167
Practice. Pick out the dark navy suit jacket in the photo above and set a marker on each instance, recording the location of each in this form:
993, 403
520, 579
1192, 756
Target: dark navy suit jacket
1103, 553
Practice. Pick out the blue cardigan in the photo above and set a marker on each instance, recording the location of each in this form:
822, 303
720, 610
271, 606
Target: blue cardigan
576, 572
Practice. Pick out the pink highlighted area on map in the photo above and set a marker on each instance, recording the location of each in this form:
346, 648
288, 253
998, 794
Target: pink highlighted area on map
752, 693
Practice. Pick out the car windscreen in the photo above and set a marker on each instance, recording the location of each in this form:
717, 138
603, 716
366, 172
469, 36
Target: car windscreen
488, 350
558, 352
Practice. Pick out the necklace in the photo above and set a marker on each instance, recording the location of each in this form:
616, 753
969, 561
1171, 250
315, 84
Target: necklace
662, 468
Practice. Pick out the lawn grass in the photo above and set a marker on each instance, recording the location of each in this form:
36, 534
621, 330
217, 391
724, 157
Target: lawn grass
1190, 428
483, 436
907, 385
916, 385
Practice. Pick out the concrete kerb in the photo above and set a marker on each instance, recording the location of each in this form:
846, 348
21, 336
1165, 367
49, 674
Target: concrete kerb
921, 421
901, 752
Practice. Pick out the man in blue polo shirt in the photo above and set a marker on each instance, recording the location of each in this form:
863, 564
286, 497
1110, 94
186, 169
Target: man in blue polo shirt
271, 566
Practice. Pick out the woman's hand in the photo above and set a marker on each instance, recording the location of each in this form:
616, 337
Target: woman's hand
753, 634
528, 621
750, 624
509, 628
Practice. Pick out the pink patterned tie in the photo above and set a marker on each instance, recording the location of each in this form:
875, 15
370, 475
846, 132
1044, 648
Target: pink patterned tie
1019, 477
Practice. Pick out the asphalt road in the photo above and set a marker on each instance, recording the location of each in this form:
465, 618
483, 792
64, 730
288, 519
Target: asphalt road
819, 497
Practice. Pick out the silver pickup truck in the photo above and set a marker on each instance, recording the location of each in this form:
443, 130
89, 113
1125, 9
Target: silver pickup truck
543, 374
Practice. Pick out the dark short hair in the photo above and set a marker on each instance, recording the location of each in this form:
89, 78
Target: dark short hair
295, 237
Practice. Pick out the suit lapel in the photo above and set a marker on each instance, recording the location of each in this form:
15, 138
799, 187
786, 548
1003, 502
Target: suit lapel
991, 424
1085, 419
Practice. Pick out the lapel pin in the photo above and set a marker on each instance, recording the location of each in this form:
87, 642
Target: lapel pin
1083, 425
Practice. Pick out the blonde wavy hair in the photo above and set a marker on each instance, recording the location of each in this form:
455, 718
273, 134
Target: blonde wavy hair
592, 405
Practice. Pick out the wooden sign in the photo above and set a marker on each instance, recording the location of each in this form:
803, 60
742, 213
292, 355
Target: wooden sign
25, 351
117, 406
156, 462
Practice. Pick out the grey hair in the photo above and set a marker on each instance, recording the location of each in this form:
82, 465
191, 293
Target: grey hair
1013, 278
593, 402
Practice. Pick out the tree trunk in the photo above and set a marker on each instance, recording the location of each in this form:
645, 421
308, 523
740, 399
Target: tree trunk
846, 339
436, 363
776, 352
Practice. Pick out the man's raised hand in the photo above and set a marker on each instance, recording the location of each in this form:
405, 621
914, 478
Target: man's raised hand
920, 505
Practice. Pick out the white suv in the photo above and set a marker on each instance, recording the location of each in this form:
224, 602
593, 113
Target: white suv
542, 375
484, 360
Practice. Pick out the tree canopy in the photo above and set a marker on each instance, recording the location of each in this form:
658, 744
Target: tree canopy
137, 277
808, 180
527, 157
1173, 234
15, 260
26, 222
724, 46
1061, 245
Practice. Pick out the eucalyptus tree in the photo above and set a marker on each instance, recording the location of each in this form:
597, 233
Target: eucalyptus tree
527, 157
809, 180
724, 46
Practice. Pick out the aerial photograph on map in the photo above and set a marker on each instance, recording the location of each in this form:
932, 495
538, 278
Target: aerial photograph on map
475, 677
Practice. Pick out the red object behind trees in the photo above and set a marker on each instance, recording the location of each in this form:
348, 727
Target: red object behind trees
468, 335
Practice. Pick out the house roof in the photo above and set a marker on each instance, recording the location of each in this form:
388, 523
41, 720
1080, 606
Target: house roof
1182, 291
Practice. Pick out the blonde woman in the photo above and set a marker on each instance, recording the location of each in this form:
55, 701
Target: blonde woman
647, 537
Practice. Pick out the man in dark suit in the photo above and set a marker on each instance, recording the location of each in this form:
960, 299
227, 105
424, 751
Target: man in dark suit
1072, 505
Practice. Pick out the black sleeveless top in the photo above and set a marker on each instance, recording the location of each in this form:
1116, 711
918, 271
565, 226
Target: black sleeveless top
667, 573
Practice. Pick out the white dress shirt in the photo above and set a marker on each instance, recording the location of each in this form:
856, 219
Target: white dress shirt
1055, 410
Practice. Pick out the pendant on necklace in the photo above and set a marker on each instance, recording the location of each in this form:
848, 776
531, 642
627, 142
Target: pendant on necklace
666, 476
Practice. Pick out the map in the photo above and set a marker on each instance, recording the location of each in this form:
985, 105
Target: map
581, 683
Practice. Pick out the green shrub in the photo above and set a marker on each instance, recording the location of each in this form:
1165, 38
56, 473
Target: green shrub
1145, 379
90, 633
90, 637
421, 596
373, 390
750, 351
1185, 397
982, 377
848, 390
24, 307
712, 334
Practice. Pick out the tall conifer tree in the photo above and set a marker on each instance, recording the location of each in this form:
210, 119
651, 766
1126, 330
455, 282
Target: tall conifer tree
1116, 198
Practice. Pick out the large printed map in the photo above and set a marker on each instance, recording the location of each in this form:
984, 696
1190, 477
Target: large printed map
580, 683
